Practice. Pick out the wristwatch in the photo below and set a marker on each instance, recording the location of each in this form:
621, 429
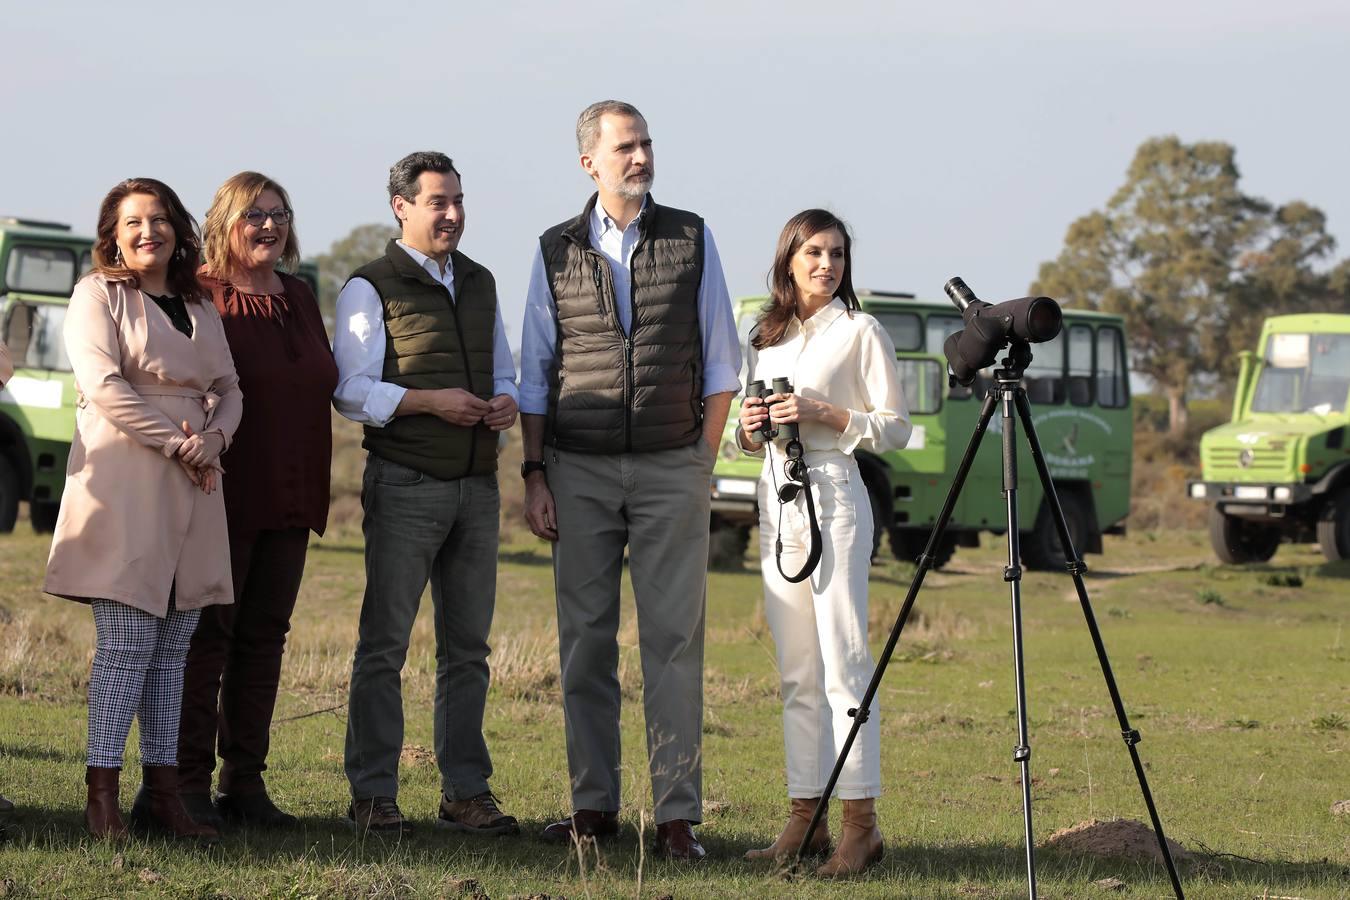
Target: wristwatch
531, 465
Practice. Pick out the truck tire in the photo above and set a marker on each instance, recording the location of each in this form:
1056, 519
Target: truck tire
1041, 549
1333, 531
43, 514
726, 545
908, 543
9, 495
1236, 540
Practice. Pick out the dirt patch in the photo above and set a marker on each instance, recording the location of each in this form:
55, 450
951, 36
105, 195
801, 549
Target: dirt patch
1121, 838
416, 755
1341, 808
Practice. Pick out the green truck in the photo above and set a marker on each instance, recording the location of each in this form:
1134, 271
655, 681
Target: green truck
39, 265
1078, 386
1280, 470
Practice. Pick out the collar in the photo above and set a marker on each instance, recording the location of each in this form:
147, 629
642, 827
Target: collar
823, 318
429, 264
578, 230
601, 222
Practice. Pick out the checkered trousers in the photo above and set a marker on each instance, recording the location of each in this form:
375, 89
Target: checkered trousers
138, 670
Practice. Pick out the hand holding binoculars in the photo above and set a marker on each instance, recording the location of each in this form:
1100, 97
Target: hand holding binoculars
767, 432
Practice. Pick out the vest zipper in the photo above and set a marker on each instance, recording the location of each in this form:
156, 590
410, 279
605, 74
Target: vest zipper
604, 285
468, 374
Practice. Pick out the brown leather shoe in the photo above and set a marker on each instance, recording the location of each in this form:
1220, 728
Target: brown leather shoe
584, 823
159, 808
101, 817
675, 840
791, 838
477, 815
378, 814
860, 845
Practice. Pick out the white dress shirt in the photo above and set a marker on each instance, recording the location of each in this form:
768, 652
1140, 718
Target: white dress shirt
845, 360
361, 341
539, 336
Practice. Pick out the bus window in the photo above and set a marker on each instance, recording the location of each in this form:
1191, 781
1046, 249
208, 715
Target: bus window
1080, 365
86, 263
922, 380
1111, 378
903, 327
1044, 378
938, 329
41, 270
32, 333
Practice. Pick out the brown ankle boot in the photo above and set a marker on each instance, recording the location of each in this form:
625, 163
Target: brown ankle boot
159, 808
859, 842
100, 810
791, 838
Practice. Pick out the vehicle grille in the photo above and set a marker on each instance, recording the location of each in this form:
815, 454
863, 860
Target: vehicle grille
1264, 461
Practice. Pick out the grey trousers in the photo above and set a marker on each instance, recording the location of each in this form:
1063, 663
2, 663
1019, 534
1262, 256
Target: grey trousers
657, 505
421, 529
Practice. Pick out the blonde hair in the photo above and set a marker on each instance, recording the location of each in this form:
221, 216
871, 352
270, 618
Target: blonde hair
235, 197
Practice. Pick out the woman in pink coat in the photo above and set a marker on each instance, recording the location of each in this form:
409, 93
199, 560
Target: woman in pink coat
141, 533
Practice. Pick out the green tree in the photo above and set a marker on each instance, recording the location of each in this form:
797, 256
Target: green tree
1191, 262
362, 244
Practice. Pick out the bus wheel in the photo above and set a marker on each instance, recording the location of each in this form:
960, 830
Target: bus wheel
1041, 548
1333, 531
1236, 540
727, 544
43, 513
9, 495
908, 543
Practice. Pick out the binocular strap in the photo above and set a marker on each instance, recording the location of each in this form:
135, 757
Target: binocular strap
797, 466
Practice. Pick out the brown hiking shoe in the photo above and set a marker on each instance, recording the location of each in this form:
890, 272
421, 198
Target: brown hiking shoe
477, 815
378, 814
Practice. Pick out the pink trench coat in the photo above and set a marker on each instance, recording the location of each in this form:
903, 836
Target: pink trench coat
131, 523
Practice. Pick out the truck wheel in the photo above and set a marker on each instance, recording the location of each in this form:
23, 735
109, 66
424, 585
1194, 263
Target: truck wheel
43, 514
726, 545
1236, 540
908, 543
1041, 549
9, 495
1333, 531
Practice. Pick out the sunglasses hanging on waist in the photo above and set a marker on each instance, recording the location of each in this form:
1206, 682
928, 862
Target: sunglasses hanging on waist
798, 482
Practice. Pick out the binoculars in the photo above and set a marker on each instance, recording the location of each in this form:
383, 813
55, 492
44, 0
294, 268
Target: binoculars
788, 430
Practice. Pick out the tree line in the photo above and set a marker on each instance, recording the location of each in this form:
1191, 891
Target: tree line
1192, 262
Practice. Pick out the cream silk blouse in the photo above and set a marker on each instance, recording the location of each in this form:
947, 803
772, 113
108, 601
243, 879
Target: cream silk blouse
849, 361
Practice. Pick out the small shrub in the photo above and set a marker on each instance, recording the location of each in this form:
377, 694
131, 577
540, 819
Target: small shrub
1247, 724
1116, 612
1284, 579
1330, 722
1210, 597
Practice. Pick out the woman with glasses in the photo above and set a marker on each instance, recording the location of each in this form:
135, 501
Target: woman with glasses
276, 494
846, 396
141, 533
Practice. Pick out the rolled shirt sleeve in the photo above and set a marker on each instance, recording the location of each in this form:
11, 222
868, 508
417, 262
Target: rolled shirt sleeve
538, 341
362, 394
883, 421
717, 325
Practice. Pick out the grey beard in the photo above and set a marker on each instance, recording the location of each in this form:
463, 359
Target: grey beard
632, 190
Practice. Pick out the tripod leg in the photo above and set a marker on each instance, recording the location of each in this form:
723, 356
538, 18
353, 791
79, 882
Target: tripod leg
1012, 574
925, 563
1074, 563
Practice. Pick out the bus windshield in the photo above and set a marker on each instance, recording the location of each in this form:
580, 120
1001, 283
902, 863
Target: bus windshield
1304, 373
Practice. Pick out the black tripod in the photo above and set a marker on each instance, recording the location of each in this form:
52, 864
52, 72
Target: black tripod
1010, 395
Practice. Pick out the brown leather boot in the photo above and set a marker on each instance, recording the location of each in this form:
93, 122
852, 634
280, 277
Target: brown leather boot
100, 810
159, 808
859, 841
791, 838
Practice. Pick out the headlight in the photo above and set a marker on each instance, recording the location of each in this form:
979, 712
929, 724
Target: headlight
1250, 492
1283, 494
1198, 491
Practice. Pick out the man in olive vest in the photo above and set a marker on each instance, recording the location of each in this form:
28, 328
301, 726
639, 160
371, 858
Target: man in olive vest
424, 365
629, 361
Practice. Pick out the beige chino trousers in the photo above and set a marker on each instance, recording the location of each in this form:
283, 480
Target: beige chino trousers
656, 504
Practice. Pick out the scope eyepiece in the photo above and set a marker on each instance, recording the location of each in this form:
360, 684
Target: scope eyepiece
959, 293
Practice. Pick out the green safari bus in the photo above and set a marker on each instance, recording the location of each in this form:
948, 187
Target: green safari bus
1078, 386
39, 265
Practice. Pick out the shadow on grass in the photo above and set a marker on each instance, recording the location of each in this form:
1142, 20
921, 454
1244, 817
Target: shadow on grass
27, 751
329, 842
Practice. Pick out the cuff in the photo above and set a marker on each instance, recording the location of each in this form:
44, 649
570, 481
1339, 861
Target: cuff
757, 454
170, 448
853, 432
506, 386
381, 403
533, 399
720, 379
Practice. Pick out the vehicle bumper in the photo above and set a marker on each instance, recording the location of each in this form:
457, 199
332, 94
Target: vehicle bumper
1250, 499
734, 499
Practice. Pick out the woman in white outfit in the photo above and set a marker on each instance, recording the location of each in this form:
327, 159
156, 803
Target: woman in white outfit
846, 395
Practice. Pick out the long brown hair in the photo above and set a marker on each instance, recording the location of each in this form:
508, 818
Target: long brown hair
782, 305
234, 198
181, 278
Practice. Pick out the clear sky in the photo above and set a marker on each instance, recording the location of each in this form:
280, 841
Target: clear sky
956, 138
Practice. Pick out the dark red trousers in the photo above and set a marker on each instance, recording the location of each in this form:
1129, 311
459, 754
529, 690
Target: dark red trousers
234, 665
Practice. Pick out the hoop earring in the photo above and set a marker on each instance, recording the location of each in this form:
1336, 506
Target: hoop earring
117, 257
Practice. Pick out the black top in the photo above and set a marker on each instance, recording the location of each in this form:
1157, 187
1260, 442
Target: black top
176, 310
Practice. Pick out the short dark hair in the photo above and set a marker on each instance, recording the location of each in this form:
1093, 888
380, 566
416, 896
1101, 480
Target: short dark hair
403, 174
588, 123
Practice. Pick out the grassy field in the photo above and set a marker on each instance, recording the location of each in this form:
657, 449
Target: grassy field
1239, 679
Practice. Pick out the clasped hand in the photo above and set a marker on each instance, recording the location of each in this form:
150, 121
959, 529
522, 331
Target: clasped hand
199, 457
459, 407
779, 409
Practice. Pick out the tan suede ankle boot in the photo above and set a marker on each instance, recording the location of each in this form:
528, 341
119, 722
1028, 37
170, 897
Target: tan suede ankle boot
859, 841
791, 838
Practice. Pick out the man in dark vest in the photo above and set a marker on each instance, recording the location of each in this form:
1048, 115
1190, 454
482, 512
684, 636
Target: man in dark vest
629, 361
424, 365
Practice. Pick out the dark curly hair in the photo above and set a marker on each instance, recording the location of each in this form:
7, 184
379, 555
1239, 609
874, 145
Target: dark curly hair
182, 275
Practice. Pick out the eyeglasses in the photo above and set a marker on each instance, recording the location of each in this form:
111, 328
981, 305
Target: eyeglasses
279, 216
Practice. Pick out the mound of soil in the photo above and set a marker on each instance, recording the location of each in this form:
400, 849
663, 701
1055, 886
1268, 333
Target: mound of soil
1120, 838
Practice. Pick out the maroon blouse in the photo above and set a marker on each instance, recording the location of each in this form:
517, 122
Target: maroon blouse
277, 468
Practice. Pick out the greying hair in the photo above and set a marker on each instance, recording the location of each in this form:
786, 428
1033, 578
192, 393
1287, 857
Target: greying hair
588, 123
404, 173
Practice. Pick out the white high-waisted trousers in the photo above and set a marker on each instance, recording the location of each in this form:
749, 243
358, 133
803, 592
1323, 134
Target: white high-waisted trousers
819, 625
